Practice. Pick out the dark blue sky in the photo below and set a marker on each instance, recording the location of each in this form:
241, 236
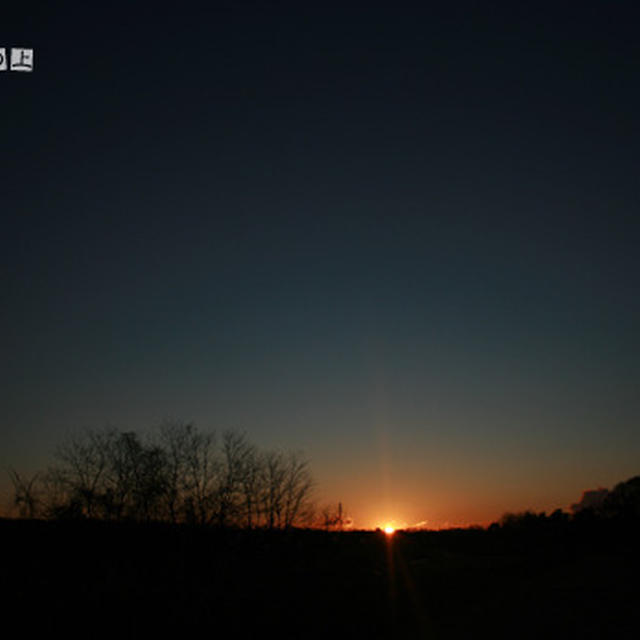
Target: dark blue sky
403, 240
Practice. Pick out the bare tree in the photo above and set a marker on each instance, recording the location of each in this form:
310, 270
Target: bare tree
252, 485
202, 470
236, 455
122, 450
149, 483
176, 440
25, 493
135, 478
298, 485
56, 495
180, 475
272, 495
81, 465
288, 488
332, 517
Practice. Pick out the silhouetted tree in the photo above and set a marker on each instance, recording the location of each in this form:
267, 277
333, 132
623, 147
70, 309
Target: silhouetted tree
332, 517
272, 496
524, 520
623, 501
81, 466
176, 439
252, 485
287, 495
203, 468
592, 499
25, 494
123, 453
178, 475
236, 452
298, 485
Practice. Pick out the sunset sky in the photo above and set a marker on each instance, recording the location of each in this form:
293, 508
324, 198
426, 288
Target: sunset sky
405, 241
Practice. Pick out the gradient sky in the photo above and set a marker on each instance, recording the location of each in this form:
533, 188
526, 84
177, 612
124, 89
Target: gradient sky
404, 241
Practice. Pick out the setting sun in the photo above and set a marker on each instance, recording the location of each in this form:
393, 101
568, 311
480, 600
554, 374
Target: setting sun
389, 530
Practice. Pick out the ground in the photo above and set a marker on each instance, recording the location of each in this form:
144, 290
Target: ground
134, 580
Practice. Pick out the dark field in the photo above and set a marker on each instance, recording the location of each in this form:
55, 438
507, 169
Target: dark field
133, 580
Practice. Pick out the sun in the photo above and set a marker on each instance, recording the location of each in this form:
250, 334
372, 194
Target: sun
389, 530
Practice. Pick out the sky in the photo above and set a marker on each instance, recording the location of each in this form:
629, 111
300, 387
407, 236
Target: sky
402, 240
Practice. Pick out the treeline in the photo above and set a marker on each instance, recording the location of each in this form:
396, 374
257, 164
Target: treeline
178, 474
618, 505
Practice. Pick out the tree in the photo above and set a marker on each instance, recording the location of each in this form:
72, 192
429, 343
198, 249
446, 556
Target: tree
237, 453
108, 474
274, 478
179, 475
298, 485
202, 469
176, 440
332, 517
149, 482
122, 450
252, 482
623, 501
25, 493
287, 493
82, 463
